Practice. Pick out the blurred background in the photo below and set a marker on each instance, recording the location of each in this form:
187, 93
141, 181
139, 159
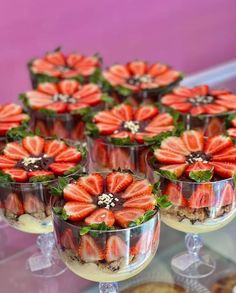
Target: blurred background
189, 35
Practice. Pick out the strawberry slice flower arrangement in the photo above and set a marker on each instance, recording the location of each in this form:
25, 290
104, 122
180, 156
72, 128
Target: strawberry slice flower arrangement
107, 225
61, 108
27, 169
121, 136
140, 81
56, 66
197, 174
201, 107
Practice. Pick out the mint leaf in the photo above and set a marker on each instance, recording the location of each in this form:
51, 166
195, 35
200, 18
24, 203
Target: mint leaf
58, 190
107, 99
123, 91
73, 170
120, 141
201, 176
61, 213
96, 76
98, 227
144, 218
20, 132
84, 230
92, 129
167, 174
85, 112
43, 178
5, 179
24, 100
163, 202
48, 112
156, 187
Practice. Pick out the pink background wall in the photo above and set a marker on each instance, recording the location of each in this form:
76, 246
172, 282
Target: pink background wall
190, 35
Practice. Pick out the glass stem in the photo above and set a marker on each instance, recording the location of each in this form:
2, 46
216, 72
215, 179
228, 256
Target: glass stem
194, 244
108, 288
45, 243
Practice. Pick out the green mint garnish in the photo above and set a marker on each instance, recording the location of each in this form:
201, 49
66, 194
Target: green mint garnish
201, 176
61, 213
43, 178
92, 129
144, 218
163, 202
99, 227
48, 112
58, 190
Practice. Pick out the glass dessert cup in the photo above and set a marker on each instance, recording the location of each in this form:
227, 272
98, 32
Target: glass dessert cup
105, 156
138, 246
196, 208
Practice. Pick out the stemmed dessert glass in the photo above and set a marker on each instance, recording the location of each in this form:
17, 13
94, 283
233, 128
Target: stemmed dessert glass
129, 260
196, 208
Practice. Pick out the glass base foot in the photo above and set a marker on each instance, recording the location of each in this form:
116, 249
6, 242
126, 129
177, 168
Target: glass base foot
108, 288
41, 266
192, 266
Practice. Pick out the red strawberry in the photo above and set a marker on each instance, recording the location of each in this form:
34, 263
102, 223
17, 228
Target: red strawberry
4, 127
33, 144
73, 192
224, 170
228, 154
100, 216
184, 91
137, 67
13, 204
93, 99
144, 243
145, 202
58, 107
32, 204
231, 132
67, 240
171, 99
120, 158
174, 193
216, 109
93, 183
39, 173
59, 129
193, 140
201, 90
159, 129
99, 153
140, 136
54, 147
227, 196
202, 197
162, 119
48, 88
15, 151
168, 157
182, 107
5, 162
41, 126
115, 248
123, 112
126, 215
198, 166
106, 128
68, 87
78, 131
118, 181
137, 188
217, 143
215, 127
10, 110
198, 110
177, 170
123, 135
89, 251
106, 117
71, 154
61, 168
17, 174
145, 112
175, 144
77, 211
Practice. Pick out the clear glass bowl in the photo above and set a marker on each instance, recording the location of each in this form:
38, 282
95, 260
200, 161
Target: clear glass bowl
105, 156
138, 246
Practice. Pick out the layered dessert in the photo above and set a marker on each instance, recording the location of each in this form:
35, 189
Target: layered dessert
140, 81
11, 118
121, 136
201, 107
197, 175
231, 125
107, 226
61, 108
28, 169
55, 66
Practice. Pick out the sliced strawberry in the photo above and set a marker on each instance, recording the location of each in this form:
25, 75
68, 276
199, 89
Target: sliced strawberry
10, 110
127, 215
93, 183
73, 192
217, 143
233, 121
68, 87
106, 117
120, 158
141, 136
162, 119
227, 196
198, 110
230, 131
89, 250
101, 216
198, 166
157, 69
14, 118
175, 144
137, 67
123, 112
219, 92
215, 127
13, 204
168, 157
41, 127
15, 151
38, 100
215, 109
201, 90
137, 188
175, 196
106, 128
93, 99
182, 107
48, 88
61, 168
17, 174
115, 248
159, 129
202, 197
59, 129
32, 204
225, 155
224, 170
5, 162
77, 106
193, 140
145, 202
171, 99
144, 243
184, 91
67, 240
167, 78
123, 135
175, 170
40, 173
119, 71
118, 181
77, 211
55, 58
100, 153
228, 103
58, 107
70, 154
78, 132
5, 127
53, 147
33, 144
145, 112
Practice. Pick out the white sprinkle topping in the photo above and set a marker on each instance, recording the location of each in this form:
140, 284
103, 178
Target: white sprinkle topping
133, 126
107, 199
63, 98
27, 161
